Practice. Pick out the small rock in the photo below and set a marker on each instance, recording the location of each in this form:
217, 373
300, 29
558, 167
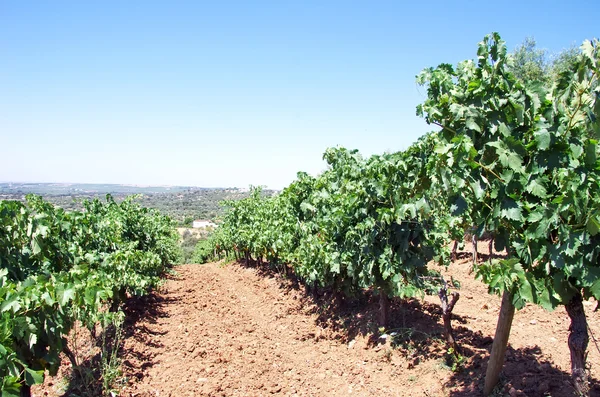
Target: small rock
533, 322
351, 343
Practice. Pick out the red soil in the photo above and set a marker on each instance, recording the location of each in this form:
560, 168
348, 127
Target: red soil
227, 330
230, 330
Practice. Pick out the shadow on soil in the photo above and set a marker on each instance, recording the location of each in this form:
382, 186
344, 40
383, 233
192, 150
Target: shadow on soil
527, 372
416, 330
86, 379
144, 310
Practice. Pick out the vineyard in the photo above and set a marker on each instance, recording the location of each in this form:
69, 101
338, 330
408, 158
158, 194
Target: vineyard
513, 160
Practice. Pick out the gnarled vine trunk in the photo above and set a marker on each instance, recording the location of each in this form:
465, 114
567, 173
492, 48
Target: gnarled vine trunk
447, 307
578, 341
384, 309
454, 249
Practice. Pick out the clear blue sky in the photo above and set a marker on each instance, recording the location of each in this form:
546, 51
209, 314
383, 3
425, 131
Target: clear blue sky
233, 93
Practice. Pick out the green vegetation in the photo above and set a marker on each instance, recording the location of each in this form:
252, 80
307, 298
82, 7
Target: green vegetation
182, 204
528, 63
360, 224
189, 241
516, 156
60, 267
520, 158
203, 251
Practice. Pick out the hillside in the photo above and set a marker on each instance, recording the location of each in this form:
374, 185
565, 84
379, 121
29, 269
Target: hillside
181, 203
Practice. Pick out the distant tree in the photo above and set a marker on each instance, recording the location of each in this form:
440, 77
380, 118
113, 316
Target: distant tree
530, 63
563, 61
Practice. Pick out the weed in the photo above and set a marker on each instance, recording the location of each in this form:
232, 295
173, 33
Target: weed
454, 360
110, 363
97, 368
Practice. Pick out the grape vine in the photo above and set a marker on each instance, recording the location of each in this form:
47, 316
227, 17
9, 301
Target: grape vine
60, 267
517, 160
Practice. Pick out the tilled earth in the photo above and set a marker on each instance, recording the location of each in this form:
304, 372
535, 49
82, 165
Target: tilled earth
230, 330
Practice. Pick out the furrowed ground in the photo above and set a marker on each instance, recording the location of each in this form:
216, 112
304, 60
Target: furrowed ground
231, 330
223, 330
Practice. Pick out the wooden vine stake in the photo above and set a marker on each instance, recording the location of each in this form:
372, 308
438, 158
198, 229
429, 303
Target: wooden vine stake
507, 312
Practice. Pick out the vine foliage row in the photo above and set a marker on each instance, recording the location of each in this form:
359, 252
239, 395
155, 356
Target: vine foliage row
515, 159
59, 267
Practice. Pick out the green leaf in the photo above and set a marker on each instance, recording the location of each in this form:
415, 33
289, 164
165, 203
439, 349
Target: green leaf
504, 130
576, 150
536, 188
65, 295
545, 299
477, 190
511, 160
12, 303
542, 139
511, 211
34, 377
473, 85
588, 50
459, 206
443, 149
525, 290
35, 246
11, 389
535, 217
593, 225
472, 125
562, 287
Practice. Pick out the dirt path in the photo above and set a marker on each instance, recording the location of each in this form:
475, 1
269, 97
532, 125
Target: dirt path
228, 331
231, 331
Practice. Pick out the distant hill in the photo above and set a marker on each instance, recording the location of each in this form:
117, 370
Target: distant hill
181, 203
60, 189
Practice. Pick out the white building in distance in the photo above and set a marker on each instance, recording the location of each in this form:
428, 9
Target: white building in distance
203, 224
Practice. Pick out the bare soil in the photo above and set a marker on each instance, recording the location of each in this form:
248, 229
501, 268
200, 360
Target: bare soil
230, 330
